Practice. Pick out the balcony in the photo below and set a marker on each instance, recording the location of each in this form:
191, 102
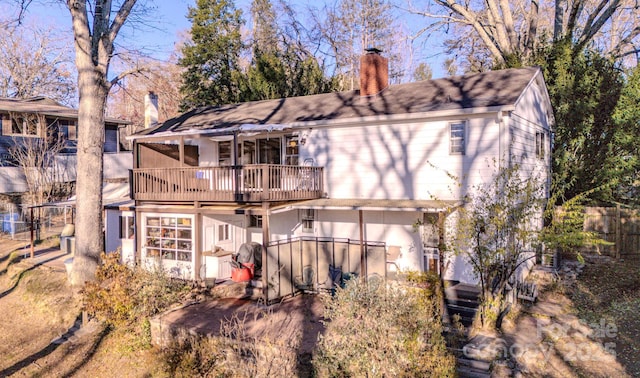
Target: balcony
249, 183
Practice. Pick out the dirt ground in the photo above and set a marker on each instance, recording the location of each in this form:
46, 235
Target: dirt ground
569, 332
297, 320
583, 327
39, 319
607, 294
40, 314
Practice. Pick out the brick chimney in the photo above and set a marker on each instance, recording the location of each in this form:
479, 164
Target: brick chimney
150, 109
374, 72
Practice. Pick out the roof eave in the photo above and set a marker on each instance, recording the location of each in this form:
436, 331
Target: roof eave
369, 120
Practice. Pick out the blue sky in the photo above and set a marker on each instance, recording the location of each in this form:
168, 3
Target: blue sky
157, 37
164, 25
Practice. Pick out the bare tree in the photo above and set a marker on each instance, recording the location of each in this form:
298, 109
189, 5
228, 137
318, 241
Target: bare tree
512, 29
497, 233
95, 28
95, 24
35, 62
127, 98
351, 26
20, 9
38, 155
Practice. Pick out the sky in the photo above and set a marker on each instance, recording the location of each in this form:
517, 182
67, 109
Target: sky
166, 24
157, 37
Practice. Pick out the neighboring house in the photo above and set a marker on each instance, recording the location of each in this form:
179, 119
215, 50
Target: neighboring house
374, 164
40, 117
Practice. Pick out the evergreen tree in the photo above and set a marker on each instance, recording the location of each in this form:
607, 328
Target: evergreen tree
211, 60
280, 67
626, 145
589, 147
266, 78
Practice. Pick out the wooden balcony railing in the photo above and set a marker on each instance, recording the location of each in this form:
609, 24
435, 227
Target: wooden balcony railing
248, 183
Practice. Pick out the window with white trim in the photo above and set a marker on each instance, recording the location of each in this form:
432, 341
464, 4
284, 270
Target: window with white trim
224, 153
307, 218
126, 227
540, 145
24, 126
255, 221
457, 134
169, 237
224, 232
292, 150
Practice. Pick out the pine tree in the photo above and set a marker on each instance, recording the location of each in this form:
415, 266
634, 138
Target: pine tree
280, 67
212, 59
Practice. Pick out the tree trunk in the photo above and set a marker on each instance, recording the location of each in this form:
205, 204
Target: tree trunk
89, 223
94, 49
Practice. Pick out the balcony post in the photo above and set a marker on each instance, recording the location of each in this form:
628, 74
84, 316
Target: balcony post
236, 179
266, 195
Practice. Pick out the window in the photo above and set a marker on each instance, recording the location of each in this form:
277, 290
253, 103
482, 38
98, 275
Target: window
255, 221
457, 138
24, 126
269, 150
307, 219
67, 129
291, 150
248, 148
540, 145
169, 237
224, 232
110, 140
224, 153
126, 227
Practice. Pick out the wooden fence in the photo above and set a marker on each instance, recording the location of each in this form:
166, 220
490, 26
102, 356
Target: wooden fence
618, 226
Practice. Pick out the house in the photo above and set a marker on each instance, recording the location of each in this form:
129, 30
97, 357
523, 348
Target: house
365, 168
23, 120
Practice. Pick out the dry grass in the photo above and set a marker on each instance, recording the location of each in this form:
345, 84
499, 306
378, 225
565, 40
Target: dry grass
377, 329
609, 291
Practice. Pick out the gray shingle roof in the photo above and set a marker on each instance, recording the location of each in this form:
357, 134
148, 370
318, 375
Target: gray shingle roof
487, 89
45, 106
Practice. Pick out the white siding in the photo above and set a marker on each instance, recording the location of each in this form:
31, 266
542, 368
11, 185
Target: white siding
207, 151
530, 117
112, 235
392, 227
402, 161
117, 165
12, 180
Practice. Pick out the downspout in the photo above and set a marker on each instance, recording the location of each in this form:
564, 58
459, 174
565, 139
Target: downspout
197, 274
118, 128
32, 236
181, 151
501, 141
363, 257
236, 168
265, 242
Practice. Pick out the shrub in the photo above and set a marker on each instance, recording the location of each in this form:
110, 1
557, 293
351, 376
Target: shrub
233, 354
14, 257
377, 329
125, 298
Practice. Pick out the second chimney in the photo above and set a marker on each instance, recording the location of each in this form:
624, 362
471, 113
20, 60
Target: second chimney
374, 72
150, 109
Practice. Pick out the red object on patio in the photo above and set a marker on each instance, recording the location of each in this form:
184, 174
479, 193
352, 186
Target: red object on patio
242, 274
251, 268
